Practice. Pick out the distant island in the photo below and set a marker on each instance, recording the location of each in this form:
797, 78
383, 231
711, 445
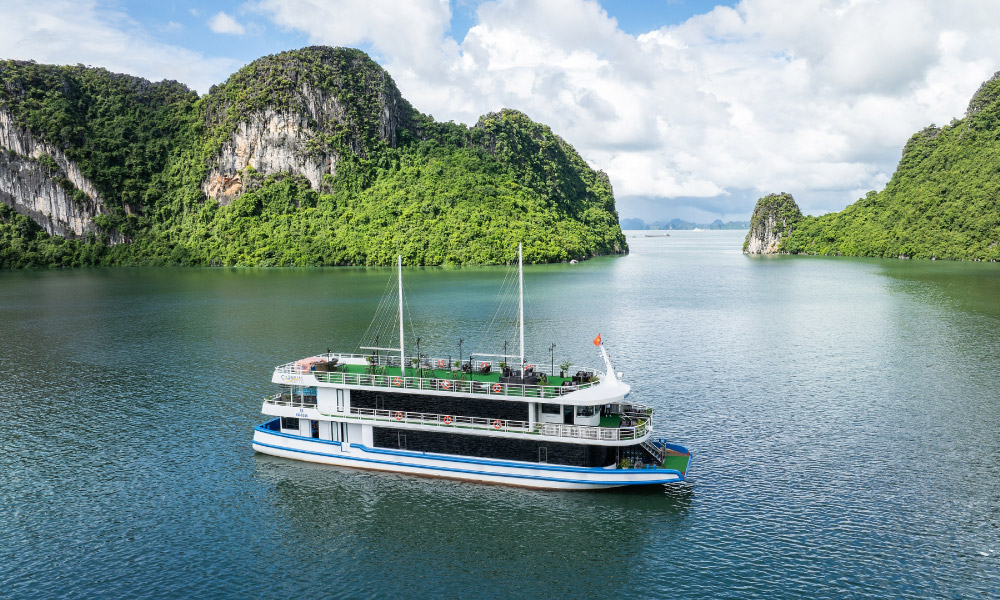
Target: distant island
305, 158
941, 203
680, 224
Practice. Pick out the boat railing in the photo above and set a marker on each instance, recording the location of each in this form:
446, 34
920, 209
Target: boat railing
588, 432
292, 400
461, 386
636, 411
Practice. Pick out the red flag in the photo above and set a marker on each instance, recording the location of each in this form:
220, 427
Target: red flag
597, 340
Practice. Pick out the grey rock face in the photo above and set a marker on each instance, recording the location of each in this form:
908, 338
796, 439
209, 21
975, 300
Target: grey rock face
271, 142
33, 188
297, 140
765, 238
774, 217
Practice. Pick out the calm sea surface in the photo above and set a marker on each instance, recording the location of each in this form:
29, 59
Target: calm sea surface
844, 417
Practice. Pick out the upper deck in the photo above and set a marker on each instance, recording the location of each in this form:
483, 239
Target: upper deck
437, 376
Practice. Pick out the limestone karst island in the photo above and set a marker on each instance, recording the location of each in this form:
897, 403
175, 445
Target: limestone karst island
307, 157
943, 202
313, 157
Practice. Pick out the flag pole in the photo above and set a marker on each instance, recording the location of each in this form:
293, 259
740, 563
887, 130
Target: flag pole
607, 360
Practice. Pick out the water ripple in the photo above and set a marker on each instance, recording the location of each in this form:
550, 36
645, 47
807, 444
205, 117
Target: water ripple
843, 414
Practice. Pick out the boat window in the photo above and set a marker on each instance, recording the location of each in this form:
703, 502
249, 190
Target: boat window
289, 423
340, 400
586, 411
550, 409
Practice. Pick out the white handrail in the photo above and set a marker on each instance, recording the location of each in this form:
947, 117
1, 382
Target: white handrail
590, 432
293, 400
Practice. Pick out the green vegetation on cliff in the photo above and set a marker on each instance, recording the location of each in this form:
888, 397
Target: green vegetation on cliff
942, 202
439, 193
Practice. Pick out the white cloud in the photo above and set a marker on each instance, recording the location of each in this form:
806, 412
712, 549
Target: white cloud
413, 28
223, 23
815, 97
71, 32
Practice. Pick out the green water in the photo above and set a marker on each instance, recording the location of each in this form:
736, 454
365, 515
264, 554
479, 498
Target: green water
843, 415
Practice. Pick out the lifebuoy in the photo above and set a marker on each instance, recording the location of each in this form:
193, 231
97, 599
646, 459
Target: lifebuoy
483, 364
531, 367
398, 416
447, 420
440, 363
446, 384
496, 388
497, 424
396, 381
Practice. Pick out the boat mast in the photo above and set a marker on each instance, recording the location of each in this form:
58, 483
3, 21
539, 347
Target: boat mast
520, 319
402, 353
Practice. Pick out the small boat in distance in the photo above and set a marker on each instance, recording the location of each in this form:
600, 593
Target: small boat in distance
492, 419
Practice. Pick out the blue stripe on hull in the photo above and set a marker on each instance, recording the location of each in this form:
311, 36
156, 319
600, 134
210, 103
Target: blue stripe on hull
675, 476
460, 459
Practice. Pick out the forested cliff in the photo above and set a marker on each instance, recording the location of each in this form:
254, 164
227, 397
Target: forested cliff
942, 202
308, 157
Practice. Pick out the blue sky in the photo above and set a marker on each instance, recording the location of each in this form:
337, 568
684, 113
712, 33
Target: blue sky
694, 109
187, 23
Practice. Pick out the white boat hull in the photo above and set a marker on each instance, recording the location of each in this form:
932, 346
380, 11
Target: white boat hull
522, 474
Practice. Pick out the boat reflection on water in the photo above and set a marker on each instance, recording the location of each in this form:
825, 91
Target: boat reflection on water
512, 540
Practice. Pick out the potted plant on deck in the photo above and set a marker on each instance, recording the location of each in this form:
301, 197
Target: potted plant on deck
563, 367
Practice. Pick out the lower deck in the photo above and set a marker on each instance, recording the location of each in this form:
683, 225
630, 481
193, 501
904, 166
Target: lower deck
269, 438
645, 454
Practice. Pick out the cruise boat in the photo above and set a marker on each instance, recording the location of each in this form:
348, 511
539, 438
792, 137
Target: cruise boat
490, 419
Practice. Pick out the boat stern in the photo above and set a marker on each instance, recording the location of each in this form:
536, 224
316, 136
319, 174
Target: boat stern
676, 457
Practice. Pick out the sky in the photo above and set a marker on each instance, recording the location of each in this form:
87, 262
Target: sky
694, 109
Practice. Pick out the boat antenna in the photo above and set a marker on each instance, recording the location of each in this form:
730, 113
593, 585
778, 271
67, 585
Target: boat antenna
402, 353
520, 318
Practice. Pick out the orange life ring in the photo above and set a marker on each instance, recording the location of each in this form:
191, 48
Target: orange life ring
398, 416
483, 364
396, 381
496, 388
446, 384
531, 367
497, 424
440, 363
447, 420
